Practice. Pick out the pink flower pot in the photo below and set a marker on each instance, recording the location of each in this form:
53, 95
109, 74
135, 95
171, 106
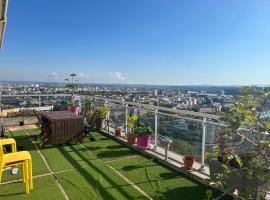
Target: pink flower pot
75, 110
143, 141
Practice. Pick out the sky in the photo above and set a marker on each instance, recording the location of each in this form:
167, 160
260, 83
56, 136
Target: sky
164, 42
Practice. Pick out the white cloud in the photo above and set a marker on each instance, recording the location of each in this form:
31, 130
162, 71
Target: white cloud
82, 75
118, 75
54, 74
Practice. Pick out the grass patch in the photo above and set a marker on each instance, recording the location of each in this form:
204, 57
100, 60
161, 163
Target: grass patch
44, 188
107, 149
160, 182
91, 178
97, 182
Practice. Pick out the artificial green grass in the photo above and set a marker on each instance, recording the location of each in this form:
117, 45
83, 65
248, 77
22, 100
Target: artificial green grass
97, 182
44, 188
158, 181
108, 149
90, 178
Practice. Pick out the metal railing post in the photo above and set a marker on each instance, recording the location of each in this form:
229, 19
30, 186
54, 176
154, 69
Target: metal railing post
39, 101
1, 110
126, 128
156, 129
204, 125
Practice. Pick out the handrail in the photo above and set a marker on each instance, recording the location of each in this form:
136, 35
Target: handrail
181, 112
151, 107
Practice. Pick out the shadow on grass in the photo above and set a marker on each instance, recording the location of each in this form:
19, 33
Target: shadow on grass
185, 193
134, 167
93, 148
115, 154
89, 178
192, 193
102, 139
12, 194
170, 175
117, 146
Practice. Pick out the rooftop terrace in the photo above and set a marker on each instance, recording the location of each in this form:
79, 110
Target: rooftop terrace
104, 169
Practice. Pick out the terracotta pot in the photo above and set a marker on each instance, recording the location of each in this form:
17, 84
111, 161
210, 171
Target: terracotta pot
131, 138
118, 132
188, 162
143, 141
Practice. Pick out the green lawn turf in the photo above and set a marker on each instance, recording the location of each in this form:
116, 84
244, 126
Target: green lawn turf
44, 189
108, 149
91, 178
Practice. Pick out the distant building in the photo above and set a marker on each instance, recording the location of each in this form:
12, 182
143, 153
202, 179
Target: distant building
221, 92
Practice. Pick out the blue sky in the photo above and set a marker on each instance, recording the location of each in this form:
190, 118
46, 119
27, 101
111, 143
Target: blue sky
171, 42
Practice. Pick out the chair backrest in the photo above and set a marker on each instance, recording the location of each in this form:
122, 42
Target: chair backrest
93, 119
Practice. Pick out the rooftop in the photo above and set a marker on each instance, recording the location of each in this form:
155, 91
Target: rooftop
104, 169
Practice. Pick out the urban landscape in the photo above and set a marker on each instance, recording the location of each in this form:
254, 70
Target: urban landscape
145, 100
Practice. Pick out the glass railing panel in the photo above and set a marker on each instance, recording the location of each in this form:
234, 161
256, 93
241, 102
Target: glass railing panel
117, 116
186, 135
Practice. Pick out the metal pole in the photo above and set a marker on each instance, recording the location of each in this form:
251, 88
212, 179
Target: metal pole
156, 129
39, 101
126, 128
204, 125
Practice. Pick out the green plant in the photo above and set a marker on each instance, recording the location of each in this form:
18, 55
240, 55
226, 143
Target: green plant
88, 109
189, 150
71, 103
131, 121
245, 116
143, 130
103, 111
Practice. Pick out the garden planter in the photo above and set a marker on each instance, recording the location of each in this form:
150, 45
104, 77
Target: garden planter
100, 123
75, 110
188, 162
131, 138
117, 132
143, 141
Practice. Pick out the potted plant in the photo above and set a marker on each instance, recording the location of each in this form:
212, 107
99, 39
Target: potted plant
72, 108
189, 157
131, 137
143, 136
103, 112
117, 131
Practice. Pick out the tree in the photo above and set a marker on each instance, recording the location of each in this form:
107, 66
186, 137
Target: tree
246, 116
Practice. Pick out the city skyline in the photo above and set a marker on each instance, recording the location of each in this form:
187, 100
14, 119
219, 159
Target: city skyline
142, 42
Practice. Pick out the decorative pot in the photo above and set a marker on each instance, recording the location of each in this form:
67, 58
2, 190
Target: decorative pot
100, 123
188, 162
143, 141
75, 110
131, 138
117, 132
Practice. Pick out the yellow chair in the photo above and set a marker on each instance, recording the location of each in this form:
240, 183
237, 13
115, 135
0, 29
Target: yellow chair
18, 158
9, 141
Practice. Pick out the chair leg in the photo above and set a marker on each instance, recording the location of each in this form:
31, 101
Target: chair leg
24, 173
1, 172
30, 175
27, 178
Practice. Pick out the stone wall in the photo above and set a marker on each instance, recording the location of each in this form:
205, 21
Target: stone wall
16, 121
